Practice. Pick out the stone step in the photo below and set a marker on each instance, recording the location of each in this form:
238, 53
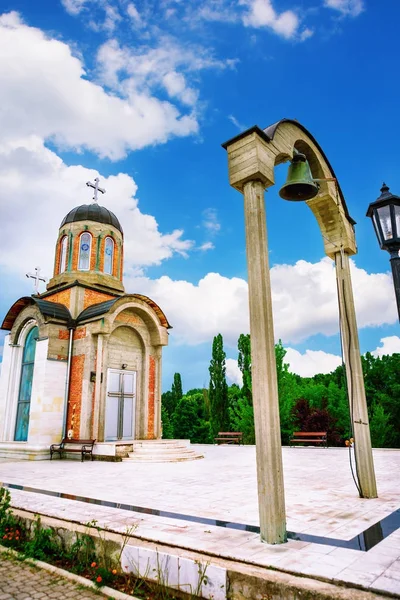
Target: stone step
147, 451
161, 459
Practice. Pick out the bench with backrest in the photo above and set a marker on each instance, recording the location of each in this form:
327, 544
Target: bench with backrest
85, 447
309, 437
229, 437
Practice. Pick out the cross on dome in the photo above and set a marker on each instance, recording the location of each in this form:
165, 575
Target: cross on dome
96, 188
37, 277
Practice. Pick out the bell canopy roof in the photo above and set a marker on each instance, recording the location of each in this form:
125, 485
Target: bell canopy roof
92, 212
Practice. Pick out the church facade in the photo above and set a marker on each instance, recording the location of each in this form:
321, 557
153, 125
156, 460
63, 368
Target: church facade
82, 359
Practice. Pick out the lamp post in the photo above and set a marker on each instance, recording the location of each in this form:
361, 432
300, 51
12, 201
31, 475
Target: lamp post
385, 215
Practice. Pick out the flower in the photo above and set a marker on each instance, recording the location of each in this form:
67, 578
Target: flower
347, 443
114, 571
93, 564
99, 579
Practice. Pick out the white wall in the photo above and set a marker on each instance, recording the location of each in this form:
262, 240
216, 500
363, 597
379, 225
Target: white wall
47, 400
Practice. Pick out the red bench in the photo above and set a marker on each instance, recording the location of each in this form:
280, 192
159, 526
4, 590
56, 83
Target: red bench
309, 437
229, 437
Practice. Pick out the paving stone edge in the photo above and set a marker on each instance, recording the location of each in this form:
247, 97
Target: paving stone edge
106, 591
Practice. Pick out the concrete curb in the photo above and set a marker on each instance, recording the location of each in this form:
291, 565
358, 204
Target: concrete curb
78, 579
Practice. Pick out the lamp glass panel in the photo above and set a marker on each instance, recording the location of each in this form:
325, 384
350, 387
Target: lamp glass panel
386, 222
376, 226
397, 220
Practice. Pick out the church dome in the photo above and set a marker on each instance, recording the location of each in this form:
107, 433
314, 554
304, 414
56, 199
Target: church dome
92, 212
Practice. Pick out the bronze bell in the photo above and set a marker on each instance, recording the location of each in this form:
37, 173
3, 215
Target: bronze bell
300, 184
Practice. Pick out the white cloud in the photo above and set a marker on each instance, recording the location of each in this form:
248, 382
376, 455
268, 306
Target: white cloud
73, 7
352, 8
133, 13
63, 106
206, 246
311, 362
304, 302
197, 312
233, 373
389, 345
261, 13
306, 33
43, 189
210, 221
236, 123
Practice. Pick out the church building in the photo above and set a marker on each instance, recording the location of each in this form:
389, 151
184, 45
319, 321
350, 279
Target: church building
82, 359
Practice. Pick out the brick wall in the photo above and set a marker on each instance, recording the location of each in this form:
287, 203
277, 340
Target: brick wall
61, 297
75, 394
79, 333
92, 297
128, 319
152, 387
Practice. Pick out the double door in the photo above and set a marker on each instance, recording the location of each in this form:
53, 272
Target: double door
120, 405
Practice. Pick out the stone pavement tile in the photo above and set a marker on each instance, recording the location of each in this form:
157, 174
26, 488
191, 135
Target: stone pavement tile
393, 571
363, 578
386, 584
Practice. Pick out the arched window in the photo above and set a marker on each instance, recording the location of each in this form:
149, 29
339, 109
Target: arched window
63, 254
108, 255
85, 244
25, 386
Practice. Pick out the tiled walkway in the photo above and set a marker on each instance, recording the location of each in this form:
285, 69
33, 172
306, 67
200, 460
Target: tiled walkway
320, 499
21, 581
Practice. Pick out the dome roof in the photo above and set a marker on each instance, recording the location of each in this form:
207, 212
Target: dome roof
92, 212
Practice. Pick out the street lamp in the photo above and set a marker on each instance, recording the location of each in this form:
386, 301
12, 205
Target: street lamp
385, 215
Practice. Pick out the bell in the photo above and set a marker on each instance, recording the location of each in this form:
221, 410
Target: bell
300, 184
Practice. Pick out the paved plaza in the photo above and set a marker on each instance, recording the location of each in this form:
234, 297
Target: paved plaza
23, 581
321, 500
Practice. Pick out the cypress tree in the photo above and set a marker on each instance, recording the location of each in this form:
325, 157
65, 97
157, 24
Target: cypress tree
244, 364
176, 388
218, 392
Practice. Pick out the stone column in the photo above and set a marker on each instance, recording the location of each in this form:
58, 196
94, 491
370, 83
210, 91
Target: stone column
157, 394
271, 495
97, 389
355, 379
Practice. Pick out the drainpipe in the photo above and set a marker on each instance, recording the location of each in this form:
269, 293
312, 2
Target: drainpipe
71, 328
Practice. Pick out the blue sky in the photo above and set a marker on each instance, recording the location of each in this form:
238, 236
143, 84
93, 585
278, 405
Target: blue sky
143, 94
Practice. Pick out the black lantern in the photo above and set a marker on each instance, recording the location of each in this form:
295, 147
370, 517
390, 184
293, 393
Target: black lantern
385, 215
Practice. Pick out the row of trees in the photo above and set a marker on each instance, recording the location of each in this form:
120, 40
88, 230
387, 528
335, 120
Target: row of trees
316, 403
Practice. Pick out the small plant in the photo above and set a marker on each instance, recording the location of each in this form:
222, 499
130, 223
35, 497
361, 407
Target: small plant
82, 553
42, 542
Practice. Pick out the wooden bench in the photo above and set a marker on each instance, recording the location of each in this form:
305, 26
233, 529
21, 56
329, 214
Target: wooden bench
229, 437
307, 437
71, 445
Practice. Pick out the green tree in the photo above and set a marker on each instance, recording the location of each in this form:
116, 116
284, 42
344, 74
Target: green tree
170, 399
242, 419
176, 388
244, 364
189, 420
218, 390
167, 429
168, 402
287, 392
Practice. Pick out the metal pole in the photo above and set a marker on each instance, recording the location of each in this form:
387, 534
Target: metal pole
271, 493
395, 262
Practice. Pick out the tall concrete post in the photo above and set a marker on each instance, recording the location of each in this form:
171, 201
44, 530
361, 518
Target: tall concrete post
271, 494
355, 379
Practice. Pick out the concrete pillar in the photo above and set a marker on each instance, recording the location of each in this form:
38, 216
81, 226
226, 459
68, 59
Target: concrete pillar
271, 495
355, 379
97, 389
